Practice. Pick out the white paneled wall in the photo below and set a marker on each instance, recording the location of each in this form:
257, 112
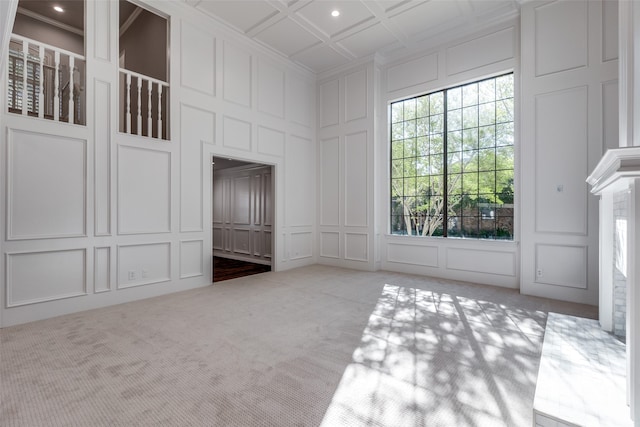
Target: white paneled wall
345, 156
242, 220
491, 52
569, 116
92, 217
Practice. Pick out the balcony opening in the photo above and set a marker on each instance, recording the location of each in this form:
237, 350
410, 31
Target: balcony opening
144, 72
46, 66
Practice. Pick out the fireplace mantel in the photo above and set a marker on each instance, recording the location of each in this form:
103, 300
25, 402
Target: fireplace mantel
617, 177
615, 169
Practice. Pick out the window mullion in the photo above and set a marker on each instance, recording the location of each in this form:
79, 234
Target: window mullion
445, 169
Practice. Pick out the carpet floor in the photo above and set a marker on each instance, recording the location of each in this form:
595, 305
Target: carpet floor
305, 347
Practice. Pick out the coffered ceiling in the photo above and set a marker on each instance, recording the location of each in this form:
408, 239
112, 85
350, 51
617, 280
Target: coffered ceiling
306, 32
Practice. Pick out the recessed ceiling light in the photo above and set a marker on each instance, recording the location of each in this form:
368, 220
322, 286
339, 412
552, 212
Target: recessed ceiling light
58, 9
335, 13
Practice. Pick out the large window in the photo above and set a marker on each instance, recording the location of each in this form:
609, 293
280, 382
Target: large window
452, 162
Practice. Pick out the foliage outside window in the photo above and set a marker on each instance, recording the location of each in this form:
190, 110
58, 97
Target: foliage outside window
452, 162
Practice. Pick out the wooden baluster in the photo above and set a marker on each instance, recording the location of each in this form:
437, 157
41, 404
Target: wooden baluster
160, 87
139, 127
41, 93
72, 112
25, 68
56, 87
149, 121
128, 114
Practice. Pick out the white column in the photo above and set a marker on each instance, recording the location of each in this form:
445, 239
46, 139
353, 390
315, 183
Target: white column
40, 90
72, 114
605, 305
633, 300
56, 87
128, 101
25, 66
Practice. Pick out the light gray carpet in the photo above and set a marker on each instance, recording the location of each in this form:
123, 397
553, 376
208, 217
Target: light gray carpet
306, 347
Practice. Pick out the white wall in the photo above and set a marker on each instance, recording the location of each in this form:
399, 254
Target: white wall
490, 52
243, 213
569, 118
346, 164
93, 217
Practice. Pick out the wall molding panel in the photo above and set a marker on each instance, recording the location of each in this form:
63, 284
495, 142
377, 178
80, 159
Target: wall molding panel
330, 244
330, 103
197, 127
573, 270
356, 100
481, 261
101, 269
144, 190
236, 133
237, 71
191, 258
197, 46
482, 51
562, 133
47, 186
271, 84
415, 254
561, 37
301, 245
102, 158
43, 276
143, 264
356, 246
356, 177
412, 73
330, 181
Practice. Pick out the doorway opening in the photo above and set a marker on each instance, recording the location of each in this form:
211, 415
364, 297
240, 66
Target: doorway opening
242, 218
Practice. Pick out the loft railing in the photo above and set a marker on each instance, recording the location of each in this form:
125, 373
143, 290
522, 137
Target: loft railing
45, 81
144, 105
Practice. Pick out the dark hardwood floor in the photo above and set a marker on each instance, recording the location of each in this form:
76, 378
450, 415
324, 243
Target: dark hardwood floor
225, 268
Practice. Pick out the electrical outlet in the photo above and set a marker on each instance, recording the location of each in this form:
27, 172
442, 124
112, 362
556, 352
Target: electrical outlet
132, 275
539, 272
145, 273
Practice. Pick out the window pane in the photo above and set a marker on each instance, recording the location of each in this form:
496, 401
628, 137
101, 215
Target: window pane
486, 159
436, 144
470, 161
410, 147
422, 107
454, 161
410, 109
504, 134
454, 98
454, 120
487, 91
454, 141
397, 169
435, 124
487, 114
422, 146
436, 103
470, 139
504, 110
487, 137
470, 95
504, 87
397, 149
422, 126
410, 129
396, 112
397, 131
470, 117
